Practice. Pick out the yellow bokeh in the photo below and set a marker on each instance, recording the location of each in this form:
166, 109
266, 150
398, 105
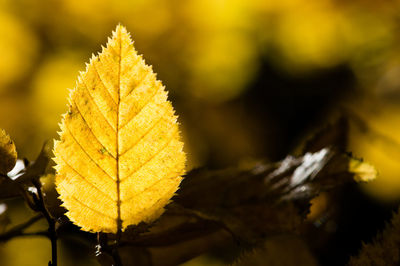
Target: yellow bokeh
19, 50
303, 43
219, 70
378, 142
220, 55
50, 88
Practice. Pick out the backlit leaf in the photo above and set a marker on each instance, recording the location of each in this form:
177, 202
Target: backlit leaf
363, 171
8, 153
119, 157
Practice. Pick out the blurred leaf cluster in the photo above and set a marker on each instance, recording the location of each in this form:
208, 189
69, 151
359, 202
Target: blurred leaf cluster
206, 51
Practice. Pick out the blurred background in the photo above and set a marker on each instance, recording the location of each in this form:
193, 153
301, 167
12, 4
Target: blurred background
249, 80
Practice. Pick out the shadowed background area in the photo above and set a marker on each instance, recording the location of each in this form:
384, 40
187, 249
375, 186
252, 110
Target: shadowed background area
249, 80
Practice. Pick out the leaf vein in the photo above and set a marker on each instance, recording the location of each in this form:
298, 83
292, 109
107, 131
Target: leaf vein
90, 129
88, 155
156, 202
145, 134
82, 177
139, 111
102, 81
140, 81
90, 208
149, 187
95, 104
152, 157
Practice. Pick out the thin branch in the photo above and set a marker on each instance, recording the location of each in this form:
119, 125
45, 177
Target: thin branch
18, 230
52, 234
39, 233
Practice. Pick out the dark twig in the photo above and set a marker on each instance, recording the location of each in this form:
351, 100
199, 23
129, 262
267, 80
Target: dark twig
18, 230
52, 234
115, 256
27, 197
115, 253
111, 250
40, 233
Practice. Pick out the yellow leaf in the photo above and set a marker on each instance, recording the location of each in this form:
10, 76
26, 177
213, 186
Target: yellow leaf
119, 158
363, 171
8, 153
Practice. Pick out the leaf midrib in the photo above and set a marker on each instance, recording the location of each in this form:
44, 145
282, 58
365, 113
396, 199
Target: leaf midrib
119, 221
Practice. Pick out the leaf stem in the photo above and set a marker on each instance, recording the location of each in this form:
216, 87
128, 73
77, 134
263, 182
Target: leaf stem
115, 253
111, 250
116, 257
